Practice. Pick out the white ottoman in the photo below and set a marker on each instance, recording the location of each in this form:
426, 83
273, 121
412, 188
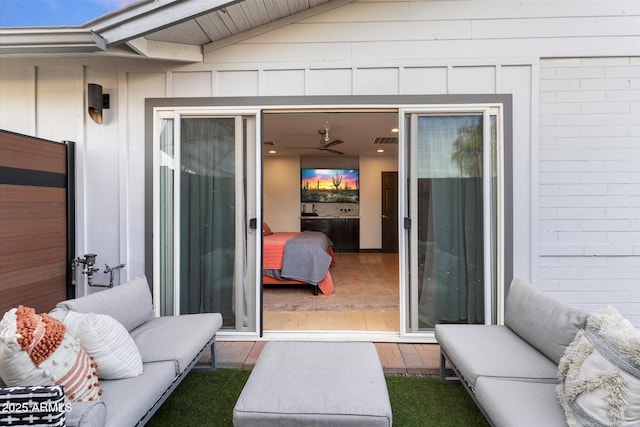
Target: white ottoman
315, 384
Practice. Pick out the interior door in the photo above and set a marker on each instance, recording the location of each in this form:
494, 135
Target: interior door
452, 248
207, 230
390, 212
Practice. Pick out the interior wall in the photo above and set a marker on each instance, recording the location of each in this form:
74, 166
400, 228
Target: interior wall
371, 168
282, 194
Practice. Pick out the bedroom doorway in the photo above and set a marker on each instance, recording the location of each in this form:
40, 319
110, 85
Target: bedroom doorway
365, 279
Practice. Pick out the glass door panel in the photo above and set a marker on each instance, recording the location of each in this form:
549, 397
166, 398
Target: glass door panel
206, 252
207, 208
452, 245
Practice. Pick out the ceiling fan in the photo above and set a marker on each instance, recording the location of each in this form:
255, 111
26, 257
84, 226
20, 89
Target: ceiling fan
325, 145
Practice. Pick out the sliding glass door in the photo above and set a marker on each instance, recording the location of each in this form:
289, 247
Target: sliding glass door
206, 239
453, 226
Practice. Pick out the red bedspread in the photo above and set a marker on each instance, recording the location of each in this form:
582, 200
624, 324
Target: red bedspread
273, 251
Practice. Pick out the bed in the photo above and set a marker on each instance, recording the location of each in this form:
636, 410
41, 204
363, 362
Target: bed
294, 258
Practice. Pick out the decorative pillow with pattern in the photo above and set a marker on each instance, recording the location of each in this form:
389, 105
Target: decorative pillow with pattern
107, 342
35, 405
600, 373
36, 350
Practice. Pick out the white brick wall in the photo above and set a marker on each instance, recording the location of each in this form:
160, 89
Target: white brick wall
589, 176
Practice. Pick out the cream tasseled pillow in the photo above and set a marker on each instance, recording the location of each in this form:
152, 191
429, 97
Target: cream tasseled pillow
600, 373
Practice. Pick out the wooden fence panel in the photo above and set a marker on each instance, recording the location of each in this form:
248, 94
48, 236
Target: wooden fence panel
34, 222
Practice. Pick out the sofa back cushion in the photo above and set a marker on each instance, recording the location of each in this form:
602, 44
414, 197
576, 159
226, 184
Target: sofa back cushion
545, 323
130, 303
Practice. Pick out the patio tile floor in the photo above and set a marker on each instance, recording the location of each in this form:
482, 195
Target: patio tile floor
413, 359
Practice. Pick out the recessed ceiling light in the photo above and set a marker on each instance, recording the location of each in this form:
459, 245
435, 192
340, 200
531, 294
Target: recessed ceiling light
395, 130
272, 151
380, 150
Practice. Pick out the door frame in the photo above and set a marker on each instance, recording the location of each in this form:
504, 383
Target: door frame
322, 102
247, 181
408, 164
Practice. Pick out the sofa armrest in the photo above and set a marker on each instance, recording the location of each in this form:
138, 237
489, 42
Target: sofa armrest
86, 414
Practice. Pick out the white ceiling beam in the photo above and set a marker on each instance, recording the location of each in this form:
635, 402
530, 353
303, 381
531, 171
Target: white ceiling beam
143, 18
164, 50
307, 13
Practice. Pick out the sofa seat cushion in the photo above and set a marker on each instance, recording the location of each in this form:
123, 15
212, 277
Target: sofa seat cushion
176, 338
495, 351
129, 399
87, 414
523, 403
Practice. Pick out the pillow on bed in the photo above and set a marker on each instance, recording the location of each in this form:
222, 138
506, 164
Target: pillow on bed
266, 231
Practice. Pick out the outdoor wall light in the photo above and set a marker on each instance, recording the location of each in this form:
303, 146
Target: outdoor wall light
96, 102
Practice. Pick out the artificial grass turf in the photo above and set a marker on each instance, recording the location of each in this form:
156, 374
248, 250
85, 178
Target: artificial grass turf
425, 401
208, 398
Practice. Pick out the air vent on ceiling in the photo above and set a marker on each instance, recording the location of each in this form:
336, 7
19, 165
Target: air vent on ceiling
383, 140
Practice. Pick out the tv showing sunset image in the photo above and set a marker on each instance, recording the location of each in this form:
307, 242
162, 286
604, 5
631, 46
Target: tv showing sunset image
329, 185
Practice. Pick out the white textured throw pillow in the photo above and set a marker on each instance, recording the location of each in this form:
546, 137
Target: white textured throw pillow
108, 342
600, 373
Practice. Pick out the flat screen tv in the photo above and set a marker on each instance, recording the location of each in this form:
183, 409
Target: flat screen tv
329, 185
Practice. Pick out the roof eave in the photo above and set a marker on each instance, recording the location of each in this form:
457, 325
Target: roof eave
50, 40
145, 17
113, 29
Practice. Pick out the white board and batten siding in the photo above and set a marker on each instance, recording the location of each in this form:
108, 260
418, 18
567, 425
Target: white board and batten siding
573, 69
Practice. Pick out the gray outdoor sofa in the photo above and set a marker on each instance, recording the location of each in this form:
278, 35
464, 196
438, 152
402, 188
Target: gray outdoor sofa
170, 348
511, 370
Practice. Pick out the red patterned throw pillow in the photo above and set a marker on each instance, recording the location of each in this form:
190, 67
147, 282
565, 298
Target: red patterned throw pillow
36, 350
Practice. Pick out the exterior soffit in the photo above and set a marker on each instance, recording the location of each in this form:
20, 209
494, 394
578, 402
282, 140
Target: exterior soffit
176, 30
